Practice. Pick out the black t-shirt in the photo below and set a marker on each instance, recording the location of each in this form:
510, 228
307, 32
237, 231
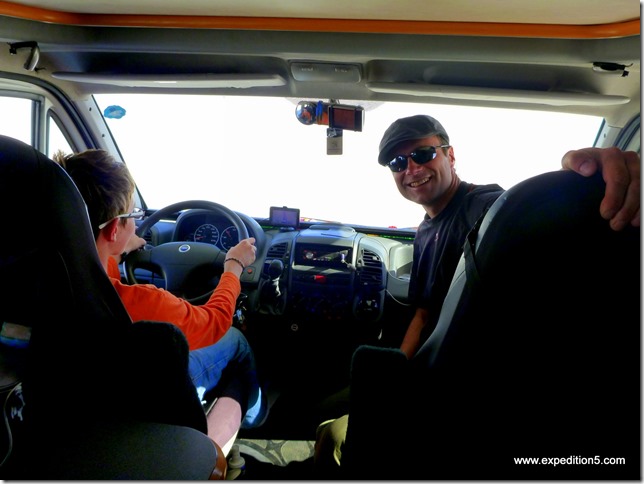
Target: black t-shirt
438, 246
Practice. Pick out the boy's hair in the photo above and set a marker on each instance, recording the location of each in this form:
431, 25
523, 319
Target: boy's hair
105, 184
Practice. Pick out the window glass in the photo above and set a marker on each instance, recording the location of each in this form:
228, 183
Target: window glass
56, 140
16, 119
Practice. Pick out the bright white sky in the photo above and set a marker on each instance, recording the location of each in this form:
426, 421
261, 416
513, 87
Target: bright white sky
250, 153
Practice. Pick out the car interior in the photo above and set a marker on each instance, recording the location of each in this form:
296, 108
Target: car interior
247, 119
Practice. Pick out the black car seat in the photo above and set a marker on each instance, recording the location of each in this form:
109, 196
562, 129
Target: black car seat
536, 354
100, 397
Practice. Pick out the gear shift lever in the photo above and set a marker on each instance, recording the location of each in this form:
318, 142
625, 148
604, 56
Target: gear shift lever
275, 270
273, 301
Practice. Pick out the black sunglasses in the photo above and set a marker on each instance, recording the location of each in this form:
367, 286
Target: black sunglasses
420, 156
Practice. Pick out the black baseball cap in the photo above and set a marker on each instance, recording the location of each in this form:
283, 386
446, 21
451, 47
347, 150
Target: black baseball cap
406, 129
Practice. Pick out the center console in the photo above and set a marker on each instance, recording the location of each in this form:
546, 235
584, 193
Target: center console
334, 276
324, 294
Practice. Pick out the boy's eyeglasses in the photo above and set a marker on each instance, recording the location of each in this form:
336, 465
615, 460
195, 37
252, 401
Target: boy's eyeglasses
420, 156
137, 213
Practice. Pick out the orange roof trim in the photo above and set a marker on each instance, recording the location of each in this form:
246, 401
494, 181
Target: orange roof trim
620, 29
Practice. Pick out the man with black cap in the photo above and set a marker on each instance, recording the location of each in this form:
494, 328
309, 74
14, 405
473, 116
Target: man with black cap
418, 152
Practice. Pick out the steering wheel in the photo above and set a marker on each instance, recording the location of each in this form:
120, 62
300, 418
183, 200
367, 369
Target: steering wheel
177, 262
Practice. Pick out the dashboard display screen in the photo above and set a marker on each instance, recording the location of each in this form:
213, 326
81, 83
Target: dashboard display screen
285, 217
323, 255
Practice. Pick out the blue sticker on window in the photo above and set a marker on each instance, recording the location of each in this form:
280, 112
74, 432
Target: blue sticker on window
114, 112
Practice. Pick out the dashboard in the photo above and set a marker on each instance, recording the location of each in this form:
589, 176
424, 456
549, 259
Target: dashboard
311, 286
311, 265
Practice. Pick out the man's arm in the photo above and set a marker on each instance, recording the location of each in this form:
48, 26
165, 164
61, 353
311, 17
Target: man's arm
621, 172
411, 341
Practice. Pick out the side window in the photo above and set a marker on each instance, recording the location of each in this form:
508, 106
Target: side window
56, 139
16, 120
20, 120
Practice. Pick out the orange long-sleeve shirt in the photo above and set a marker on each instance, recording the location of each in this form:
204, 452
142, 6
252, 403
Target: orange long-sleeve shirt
202, 325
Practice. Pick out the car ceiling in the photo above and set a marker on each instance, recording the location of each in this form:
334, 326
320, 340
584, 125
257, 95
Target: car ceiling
580, 56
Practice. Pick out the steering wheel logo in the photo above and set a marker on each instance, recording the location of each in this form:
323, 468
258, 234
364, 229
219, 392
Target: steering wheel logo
184, 248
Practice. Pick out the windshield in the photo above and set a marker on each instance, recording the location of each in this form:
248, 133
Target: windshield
251, 153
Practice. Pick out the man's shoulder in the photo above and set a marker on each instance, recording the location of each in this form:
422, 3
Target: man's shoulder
477, 194
478, 199
481, 190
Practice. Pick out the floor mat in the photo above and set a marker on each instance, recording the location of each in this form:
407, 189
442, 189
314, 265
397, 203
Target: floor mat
276, 459
276, 452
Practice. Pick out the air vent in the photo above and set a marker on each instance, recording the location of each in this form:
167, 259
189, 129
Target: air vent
277, 251
147, 236
370, 268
